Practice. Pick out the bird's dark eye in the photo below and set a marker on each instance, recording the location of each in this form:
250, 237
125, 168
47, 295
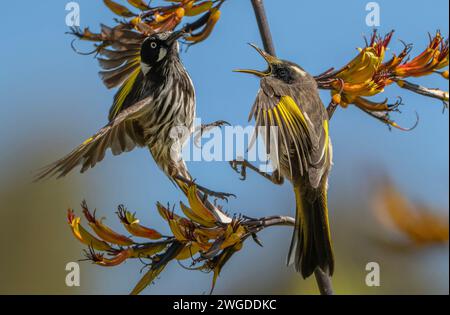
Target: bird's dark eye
282, 73
153, 45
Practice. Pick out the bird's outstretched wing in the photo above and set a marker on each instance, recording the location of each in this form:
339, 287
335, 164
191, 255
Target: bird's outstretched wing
121, 63
120, 54
302, 124
120, 135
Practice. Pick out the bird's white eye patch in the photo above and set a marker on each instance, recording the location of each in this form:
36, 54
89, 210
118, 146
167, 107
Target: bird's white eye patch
153, 45
299, 71
162, 54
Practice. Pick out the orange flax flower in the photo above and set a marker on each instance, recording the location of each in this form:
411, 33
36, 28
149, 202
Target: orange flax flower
131, 224
82, 235
103, 231
199, 236
158, 19
361, 78
433, 58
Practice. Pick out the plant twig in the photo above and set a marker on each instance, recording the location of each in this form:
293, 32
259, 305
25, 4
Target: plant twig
433, 93
271, 221
266, 36
263, 26
323, 280
257, 225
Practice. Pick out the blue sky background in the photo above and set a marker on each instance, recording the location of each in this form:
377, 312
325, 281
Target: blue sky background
52, 98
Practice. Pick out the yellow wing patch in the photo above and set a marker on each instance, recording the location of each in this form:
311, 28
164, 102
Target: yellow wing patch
123, 93
292, 115
88, 140
290, 106
293, 128
327, 136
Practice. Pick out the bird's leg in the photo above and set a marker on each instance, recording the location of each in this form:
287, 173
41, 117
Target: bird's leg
206, 191
275, 177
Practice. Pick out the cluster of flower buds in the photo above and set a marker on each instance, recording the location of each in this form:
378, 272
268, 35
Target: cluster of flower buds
158, 19
367, 74
198, 236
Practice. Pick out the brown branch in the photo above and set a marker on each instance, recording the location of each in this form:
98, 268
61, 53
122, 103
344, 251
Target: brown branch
433, 93
270, 221
266, 36
323, 280
257, 225
263, 26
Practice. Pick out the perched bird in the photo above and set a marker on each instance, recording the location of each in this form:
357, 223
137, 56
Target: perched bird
156, 96
288, 101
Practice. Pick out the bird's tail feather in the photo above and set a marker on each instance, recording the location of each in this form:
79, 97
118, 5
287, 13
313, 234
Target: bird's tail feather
311, 241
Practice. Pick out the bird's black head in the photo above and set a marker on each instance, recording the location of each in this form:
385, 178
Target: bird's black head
158, 48
285, 71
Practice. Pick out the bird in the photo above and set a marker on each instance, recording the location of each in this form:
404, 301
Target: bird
155, 99
289, 113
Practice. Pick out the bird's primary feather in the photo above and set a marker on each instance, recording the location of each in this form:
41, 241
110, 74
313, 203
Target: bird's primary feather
121, 64
120, 135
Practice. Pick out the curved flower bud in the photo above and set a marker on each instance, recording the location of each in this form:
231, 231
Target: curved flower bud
434, 57
84, 236
118, 9
198, 207
197, 9
131, 223
364, 66
100, 260
179, 226
139, 4
194, 217
103, 231
207, 30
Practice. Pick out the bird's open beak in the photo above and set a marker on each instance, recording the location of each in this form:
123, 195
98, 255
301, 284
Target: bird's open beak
268, 58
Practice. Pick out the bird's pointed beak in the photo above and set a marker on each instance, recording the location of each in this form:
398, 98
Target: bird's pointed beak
267, 57
175, 36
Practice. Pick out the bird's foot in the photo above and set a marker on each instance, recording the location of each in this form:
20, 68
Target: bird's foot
206, 191
243, 164
216, 194
218, 123
275, 177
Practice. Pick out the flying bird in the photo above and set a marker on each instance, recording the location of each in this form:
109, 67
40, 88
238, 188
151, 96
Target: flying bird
156, 97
